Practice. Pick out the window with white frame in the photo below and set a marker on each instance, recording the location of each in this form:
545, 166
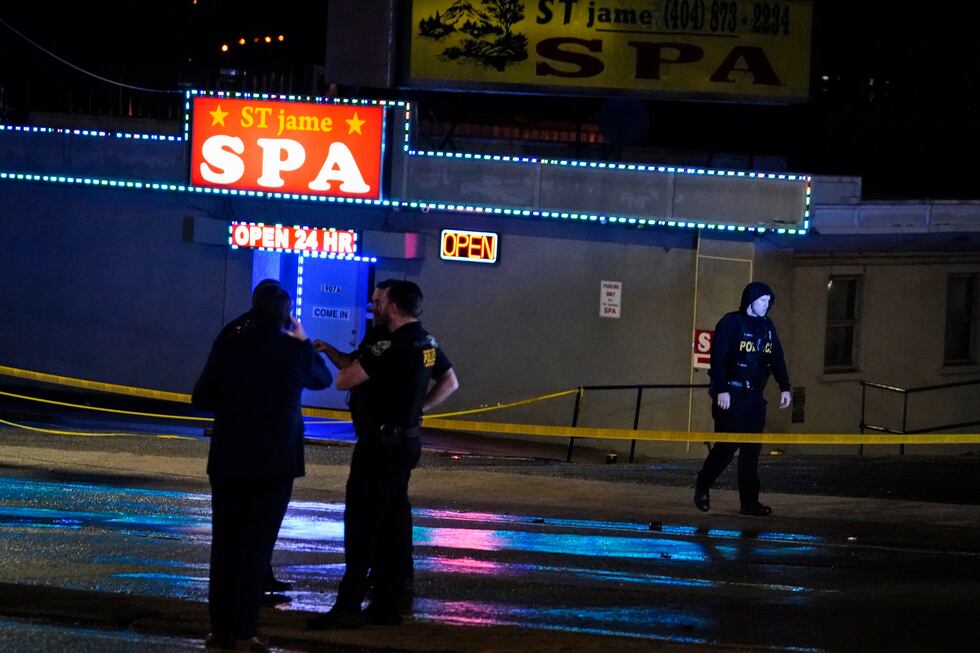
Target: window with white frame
841, 338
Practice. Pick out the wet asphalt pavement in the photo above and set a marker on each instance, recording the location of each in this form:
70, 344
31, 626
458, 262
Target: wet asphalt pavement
109, 539
105, 540
913, 477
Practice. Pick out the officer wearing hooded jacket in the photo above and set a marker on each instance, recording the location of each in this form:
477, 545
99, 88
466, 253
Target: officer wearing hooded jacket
744, 351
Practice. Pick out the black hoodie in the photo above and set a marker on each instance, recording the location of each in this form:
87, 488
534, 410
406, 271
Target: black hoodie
747, 348
754, 291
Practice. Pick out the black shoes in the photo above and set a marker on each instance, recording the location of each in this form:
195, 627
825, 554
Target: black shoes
274, 592
337, 619
254, 645
214, 643
274, 586
702, 500
272, 600
758, 510
377, 616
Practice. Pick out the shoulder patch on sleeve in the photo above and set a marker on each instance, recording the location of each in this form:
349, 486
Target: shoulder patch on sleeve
379, 347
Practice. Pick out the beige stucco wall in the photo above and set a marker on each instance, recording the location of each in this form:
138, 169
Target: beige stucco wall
900, 342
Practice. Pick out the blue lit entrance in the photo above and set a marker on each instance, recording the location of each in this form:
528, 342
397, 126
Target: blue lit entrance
330, 298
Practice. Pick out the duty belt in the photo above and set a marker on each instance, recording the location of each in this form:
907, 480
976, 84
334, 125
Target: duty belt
393, 434
744, 384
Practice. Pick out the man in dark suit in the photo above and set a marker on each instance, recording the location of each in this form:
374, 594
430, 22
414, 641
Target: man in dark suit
273, 586
253, 381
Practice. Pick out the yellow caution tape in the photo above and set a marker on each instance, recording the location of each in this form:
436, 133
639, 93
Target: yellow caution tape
94, 385
440, 421
523, 402
333, 415
128, 391
104, 410
345, 415
91, 434
702, 436
337, 415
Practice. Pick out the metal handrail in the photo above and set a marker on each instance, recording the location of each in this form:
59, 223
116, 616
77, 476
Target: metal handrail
639, 387
905, 392
647, 386
882, 386
931, 429
921, 388
880, 429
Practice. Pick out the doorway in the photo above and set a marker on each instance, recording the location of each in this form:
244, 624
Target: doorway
330, 298
723, 269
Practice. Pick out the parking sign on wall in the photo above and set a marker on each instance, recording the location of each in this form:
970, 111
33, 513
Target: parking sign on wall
610, 299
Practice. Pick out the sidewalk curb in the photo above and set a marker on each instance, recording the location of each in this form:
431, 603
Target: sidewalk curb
286, 629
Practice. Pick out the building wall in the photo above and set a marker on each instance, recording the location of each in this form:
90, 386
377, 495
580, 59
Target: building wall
99, 285
131, 286
530, 324
111, 284
107, 284
900, 342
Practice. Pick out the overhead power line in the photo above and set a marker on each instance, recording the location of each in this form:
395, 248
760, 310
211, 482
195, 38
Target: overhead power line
82, 70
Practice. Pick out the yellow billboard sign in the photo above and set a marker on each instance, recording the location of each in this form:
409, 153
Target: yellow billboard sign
752, 49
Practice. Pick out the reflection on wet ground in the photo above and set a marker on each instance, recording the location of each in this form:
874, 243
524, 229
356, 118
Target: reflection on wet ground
622, 620
574, 575
27, 635
97, 422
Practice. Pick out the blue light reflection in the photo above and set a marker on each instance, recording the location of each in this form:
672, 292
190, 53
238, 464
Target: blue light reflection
568, 544
167, 555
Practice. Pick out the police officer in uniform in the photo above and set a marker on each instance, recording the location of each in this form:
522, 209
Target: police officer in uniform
374, 333
392, 378
445, 384
443, 374
744, 350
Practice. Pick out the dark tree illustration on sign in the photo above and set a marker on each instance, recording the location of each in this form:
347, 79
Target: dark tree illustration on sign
482, 35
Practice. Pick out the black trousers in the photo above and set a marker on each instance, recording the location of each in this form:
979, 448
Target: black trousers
245, 519
746, 414
378, 522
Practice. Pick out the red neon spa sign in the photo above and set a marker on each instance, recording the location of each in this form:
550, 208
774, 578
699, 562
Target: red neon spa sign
287, 147
297, 239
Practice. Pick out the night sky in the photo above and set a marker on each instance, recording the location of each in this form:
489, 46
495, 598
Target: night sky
894, 96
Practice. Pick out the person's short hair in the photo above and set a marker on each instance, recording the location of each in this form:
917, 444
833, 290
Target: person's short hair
381, 285
406, 296
266, 282
270, 305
